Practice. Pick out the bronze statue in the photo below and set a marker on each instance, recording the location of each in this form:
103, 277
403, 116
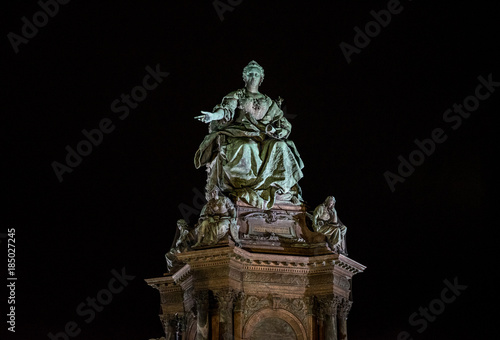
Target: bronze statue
182, 241
218, 217
247, 151
326, 222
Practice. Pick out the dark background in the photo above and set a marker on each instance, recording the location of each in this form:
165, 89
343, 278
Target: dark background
118, 208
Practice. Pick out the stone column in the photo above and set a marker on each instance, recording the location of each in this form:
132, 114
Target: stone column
311, 314
202, 326
343, 312
174, 326
179, 325
226, 298
321, 325
239, 308
328, 308
167, 321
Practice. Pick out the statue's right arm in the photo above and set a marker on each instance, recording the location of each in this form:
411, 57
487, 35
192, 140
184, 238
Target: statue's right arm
224, 111
207, 117
228, 106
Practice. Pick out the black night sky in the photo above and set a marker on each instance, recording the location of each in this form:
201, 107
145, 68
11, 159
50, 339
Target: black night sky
351, 122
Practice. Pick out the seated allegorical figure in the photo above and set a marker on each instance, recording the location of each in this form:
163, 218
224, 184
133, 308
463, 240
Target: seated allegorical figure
247, 151
217, 218
326, 222
183, 239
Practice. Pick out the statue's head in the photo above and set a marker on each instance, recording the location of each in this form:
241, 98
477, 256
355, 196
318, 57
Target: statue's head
214, 194
182, 224
253, 66
330, 201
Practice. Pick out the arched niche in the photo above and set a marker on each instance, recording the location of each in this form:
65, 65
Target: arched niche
276, 324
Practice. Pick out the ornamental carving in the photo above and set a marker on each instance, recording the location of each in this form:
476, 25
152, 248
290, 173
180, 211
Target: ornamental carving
344, 308
270, 216
342, 282
276, 278
171, 297
300, 307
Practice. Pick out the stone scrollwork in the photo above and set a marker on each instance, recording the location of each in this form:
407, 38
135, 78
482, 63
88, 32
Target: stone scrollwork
254, 303
226, 298
344, 308
329, 305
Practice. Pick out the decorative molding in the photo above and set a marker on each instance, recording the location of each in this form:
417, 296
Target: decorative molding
275, 278
299, 307
270, 216
342, 282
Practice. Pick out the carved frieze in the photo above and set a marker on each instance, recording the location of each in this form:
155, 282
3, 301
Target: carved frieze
171, 297
275, 278
342, 282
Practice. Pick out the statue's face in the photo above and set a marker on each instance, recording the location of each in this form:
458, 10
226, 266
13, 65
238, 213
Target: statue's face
253, 76
215, 194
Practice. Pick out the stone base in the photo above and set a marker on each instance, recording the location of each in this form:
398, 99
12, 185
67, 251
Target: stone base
243, 294
281, 281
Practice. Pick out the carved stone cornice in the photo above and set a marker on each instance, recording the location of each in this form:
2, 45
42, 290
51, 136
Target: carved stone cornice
307, 263
206, 257
182, 274
160, 283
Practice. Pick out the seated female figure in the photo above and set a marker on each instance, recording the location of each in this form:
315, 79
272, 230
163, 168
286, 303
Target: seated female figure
247, 152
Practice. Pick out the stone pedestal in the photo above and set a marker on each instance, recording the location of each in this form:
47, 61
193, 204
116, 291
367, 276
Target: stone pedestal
281, 282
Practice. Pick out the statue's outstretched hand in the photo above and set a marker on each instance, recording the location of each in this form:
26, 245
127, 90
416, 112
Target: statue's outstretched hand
206, 117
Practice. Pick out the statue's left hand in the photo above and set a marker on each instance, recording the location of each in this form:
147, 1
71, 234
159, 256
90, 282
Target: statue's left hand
276, 133
270, 129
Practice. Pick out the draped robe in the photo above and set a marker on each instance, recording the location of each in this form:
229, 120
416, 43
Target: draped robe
247, 151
